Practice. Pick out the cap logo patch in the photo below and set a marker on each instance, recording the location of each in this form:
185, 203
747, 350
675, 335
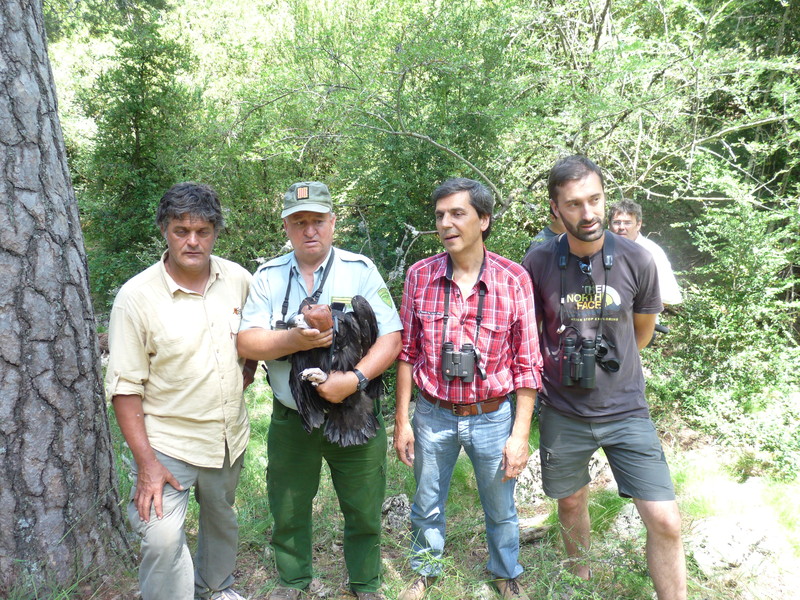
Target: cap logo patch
302, 193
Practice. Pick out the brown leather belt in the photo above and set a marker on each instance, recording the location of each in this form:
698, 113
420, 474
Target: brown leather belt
467, 410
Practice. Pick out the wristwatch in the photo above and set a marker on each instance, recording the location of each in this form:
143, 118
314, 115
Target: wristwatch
362, 381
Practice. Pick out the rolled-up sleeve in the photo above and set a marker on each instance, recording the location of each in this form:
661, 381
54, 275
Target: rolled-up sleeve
129, 364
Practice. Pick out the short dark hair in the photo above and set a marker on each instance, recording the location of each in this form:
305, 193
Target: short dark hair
480, 197
627, 207
192, 199
571, 168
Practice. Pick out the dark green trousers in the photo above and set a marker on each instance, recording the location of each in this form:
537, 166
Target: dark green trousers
359, 478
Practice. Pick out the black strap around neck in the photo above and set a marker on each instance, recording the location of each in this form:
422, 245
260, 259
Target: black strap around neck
609, 245
481, 296
315, 296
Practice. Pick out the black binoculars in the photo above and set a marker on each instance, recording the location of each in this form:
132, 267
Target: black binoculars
578, 366
461, 363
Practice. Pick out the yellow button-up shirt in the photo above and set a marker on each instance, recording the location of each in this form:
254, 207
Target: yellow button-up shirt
177, 350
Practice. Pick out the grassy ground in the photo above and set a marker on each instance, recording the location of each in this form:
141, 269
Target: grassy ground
619, 566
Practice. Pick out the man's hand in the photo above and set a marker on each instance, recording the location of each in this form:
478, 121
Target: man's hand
515, 456
308, 339
150, 482
338, 386
152, 475
249, 373
404, 443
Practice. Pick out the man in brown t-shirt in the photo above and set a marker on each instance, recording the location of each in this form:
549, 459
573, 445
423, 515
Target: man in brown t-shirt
596, 296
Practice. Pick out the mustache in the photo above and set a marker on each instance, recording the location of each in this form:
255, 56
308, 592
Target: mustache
590, 222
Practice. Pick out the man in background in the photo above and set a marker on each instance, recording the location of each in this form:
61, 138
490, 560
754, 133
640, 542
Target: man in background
176, 381
626, 220
556, 227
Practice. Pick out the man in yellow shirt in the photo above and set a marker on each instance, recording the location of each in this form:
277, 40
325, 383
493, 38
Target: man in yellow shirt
176, 384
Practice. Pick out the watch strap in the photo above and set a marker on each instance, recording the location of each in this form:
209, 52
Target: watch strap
362, 380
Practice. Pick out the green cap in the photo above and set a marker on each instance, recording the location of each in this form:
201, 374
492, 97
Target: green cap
307, 195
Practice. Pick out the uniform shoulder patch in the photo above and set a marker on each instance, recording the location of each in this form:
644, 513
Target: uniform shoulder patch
384, 295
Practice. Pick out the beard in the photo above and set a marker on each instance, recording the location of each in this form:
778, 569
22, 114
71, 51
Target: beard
575, 230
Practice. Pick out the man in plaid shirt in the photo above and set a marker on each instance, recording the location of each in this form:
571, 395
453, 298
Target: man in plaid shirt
469, 343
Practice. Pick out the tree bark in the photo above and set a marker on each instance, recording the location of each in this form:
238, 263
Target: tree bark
59, 505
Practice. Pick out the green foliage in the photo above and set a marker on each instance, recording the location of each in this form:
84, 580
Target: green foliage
604, 506
731, 368
89, 18
685, 105
145, 123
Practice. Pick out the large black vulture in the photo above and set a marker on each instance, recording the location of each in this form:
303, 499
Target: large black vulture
353, 421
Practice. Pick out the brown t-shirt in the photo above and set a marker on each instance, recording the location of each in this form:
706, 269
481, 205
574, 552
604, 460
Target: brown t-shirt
630, 286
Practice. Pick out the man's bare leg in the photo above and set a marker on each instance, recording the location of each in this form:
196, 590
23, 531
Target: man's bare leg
573, 515
665, 555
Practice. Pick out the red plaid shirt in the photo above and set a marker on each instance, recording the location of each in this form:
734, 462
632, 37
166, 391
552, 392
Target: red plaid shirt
508, 340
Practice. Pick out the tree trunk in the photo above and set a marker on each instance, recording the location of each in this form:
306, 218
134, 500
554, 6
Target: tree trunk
59, 506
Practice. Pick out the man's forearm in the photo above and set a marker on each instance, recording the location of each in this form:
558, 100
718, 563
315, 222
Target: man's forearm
403, 389
643, 327
268, 344
130, 417
403, 433
381, 356
264, 344
526, 400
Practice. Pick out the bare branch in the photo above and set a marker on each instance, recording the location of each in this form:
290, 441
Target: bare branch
434, 143
695, 143
600, 26
400, 266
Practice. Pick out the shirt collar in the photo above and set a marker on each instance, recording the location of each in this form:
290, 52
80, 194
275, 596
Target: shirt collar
320, 268
173, 286
486, 276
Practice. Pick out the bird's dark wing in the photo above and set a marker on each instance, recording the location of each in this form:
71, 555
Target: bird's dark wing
309, 404
353, 422
367, 323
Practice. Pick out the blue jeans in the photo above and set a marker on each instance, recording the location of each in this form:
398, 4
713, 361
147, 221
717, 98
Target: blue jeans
438, 438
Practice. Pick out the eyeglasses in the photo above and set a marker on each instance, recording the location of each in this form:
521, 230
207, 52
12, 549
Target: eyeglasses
622, 223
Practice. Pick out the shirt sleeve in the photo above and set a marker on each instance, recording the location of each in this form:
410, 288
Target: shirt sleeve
670, 290
412, 329
377, 294
527, 368
128, 364
257, 310
647, 300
